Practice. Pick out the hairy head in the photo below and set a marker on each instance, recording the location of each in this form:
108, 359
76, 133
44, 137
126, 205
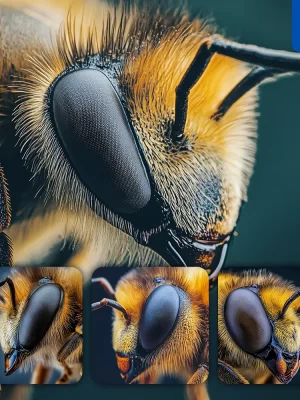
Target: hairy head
116, 159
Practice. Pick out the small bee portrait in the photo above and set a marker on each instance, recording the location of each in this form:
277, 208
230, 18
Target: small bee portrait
40, 325
160, 325
259, 326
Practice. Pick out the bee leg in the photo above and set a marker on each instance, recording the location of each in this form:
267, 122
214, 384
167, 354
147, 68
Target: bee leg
71, 345
229, 375
265, 379
148, 379
17, 392
275, 381
197, 392
5, 250
40, 374
5, 218
66, 374
199, 376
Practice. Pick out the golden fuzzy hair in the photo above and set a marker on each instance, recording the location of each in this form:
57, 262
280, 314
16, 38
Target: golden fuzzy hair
274, 292
222, 153
203, 182
68, 316
37, 18
178, 353
37, 237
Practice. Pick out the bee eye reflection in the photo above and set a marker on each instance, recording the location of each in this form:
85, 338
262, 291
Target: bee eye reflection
247, 321
159, 316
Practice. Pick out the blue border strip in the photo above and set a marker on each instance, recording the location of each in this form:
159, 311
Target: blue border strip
296, 25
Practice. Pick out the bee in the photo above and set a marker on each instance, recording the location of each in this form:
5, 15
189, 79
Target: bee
41, 322
259, 328
128, 133
160, 324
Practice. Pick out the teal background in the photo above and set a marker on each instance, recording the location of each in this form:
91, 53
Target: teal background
268, 227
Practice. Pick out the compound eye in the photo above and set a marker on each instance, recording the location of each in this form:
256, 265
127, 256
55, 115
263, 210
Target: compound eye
93, 129
247, 321
159, 316
39, 314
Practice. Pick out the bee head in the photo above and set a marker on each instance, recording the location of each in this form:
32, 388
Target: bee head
161, 306
98, 120
28, 311
263, 320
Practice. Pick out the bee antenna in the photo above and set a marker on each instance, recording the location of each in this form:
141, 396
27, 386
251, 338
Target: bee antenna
288, 303
111, 303
270, 63
106, 286
190, 78
12, 291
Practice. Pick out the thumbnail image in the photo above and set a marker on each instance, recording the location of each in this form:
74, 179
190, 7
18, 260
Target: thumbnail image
160, 326
40, 325
259, 326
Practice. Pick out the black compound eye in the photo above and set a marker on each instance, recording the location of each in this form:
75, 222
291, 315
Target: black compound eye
38, 315
159, 316
93, 128
247, 321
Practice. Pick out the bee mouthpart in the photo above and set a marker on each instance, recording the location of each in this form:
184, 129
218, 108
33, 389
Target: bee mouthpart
130, 367
13, 361
283, 366
180, 250
123, 364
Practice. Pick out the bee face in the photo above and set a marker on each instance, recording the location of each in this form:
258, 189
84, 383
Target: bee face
37, 315
260, 314
199, 187
28, 335
162, 306
192, 176
105, 114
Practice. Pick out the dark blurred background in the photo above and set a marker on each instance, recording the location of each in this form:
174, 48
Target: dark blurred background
268, 227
